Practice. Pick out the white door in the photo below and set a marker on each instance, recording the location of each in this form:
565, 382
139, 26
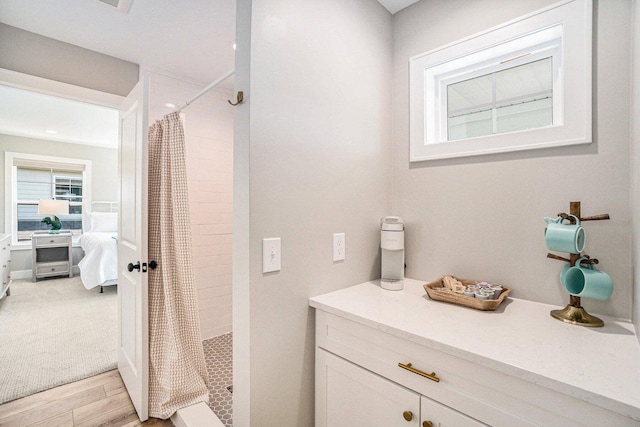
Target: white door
133, 346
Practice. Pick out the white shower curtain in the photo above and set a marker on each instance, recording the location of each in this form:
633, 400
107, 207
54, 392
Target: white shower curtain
177, 371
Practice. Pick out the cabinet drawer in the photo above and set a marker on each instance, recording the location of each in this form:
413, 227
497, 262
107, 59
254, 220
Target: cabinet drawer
50, 240
52, 269
490, 396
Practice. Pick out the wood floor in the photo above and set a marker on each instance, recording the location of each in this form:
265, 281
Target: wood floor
96, 401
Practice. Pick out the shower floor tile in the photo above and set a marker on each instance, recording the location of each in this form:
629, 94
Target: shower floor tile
218, 357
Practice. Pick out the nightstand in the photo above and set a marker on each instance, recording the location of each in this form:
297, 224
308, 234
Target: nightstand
51, 254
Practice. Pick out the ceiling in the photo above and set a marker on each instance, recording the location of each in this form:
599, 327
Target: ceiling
194, 43
35, 115
394, 6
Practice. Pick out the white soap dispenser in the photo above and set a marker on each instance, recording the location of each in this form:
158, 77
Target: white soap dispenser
392, 244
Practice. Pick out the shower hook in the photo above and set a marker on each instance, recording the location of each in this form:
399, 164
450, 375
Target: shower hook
239, 99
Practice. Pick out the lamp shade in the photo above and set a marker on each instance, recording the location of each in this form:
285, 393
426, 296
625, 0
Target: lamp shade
53, 207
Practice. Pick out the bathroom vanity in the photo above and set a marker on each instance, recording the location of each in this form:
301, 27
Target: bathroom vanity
397, 358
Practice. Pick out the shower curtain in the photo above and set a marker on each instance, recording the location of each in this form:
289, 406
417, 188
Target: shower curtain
177, 371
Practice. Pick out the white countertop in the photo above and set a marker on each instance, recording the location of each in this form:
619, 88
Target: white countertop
520, 338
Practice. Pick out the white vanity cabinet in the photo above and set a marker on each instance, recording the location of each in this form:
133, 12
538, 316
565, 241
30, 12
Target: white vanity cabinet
383, 355
5, 264
349, 395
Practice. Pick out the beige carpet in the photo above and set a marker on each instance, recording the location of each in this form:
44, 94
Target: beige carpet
53, 332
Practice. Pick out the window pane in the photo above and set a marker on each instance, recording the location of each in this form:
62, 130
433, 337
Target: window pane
470, 125
510, 100
68, 188
524, 97
29, 220
470, 96
35, 184
530, 115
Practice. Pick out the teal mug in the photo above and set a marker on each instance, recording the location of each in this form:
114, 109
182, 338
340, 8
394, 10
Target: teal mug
563, 272
564, 237
587, 282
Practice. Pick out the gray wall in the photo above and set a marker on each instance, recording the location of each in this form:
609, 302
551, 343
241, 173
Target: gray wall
319, 132
482, 217
104, 167
31, 53
635, 159
315, 133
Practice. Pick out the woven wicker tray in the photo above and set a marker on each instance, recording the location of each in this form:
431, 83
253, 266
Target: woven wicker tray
438, 292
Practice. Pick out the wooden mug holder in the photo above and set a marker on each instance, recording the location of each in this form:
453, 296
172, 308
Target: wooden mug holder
574, 313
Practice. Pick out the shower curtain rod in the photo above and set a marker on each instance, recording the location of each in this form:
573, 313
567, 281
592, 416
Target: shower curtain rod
206, 89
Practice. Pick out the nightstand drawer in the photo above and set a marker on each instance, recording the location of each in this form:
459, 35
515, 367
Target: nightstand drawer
52, 269
50, 240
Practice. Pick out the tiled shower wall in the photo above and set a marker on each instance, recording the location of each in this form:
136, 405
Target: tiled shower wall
209, 143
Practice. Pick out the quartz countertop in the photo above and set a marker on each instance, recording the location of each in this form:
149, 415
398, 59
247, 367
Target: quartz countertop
598, 365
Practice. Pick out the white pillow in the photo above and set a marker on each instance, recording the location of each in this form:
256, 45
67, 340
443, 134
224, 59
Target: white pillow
103, 221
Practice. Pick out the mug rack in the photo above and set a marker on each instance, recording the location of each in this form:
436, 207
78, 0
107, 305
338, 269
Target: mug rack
574, 313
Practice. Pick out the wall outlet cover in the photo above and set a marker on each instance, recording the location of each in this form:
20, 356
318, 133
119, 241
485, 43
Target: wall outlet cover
339, 246
271, 255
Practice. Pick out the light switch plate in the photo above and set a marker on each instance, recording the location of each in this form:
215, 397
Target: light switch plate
339, 247
271, 255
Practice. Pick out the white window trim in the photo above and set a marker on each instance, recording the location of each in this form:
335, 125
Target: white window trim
10, 179
573, 126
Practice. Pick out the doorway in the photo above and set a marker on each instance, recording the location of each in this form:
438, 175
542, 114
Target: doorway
209, 130
59, 328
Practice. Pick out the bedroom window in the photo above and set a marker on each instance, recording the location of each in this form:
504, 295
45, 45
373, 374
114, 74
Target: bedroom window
30, 178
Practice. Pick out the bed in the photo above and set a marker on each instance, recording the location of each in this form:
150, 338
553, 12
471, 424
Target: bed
99, 266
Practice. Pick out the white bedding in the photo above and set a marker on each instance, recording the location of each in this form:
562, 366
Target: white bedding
99, 267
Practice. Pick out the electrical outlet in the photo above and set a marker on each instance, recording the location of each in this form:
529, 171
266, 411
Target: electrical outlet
339, 246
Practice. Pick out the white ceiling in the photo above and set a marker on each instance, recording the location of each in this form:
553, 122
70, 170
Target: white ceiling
194, 43
35, 115
192, 40
394, 6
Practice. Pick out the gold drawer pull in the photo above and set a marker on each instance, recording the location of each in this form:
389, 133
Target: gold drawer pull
427, 424
407, 415
432, 376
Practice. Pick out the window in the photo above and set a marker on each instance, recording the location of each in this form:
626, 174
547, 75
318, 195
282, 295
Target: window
509, 100
523, 85
68, 187
30, 178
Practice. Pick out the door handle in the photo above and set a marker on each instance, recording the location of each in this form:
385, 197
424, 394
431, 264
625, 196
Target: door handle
132, 266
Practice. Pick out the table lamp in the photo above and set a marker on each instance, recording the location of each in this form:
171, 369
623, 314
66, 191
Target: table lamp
53, 208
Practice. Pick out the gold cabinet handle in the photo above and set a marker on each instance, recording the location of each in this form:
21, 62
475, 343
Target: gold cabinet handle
407, 415
432, 376
427, 424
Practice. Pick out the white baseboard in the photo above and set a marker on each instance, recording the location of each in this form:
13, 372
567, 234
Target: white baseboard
28, 274
198, 415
